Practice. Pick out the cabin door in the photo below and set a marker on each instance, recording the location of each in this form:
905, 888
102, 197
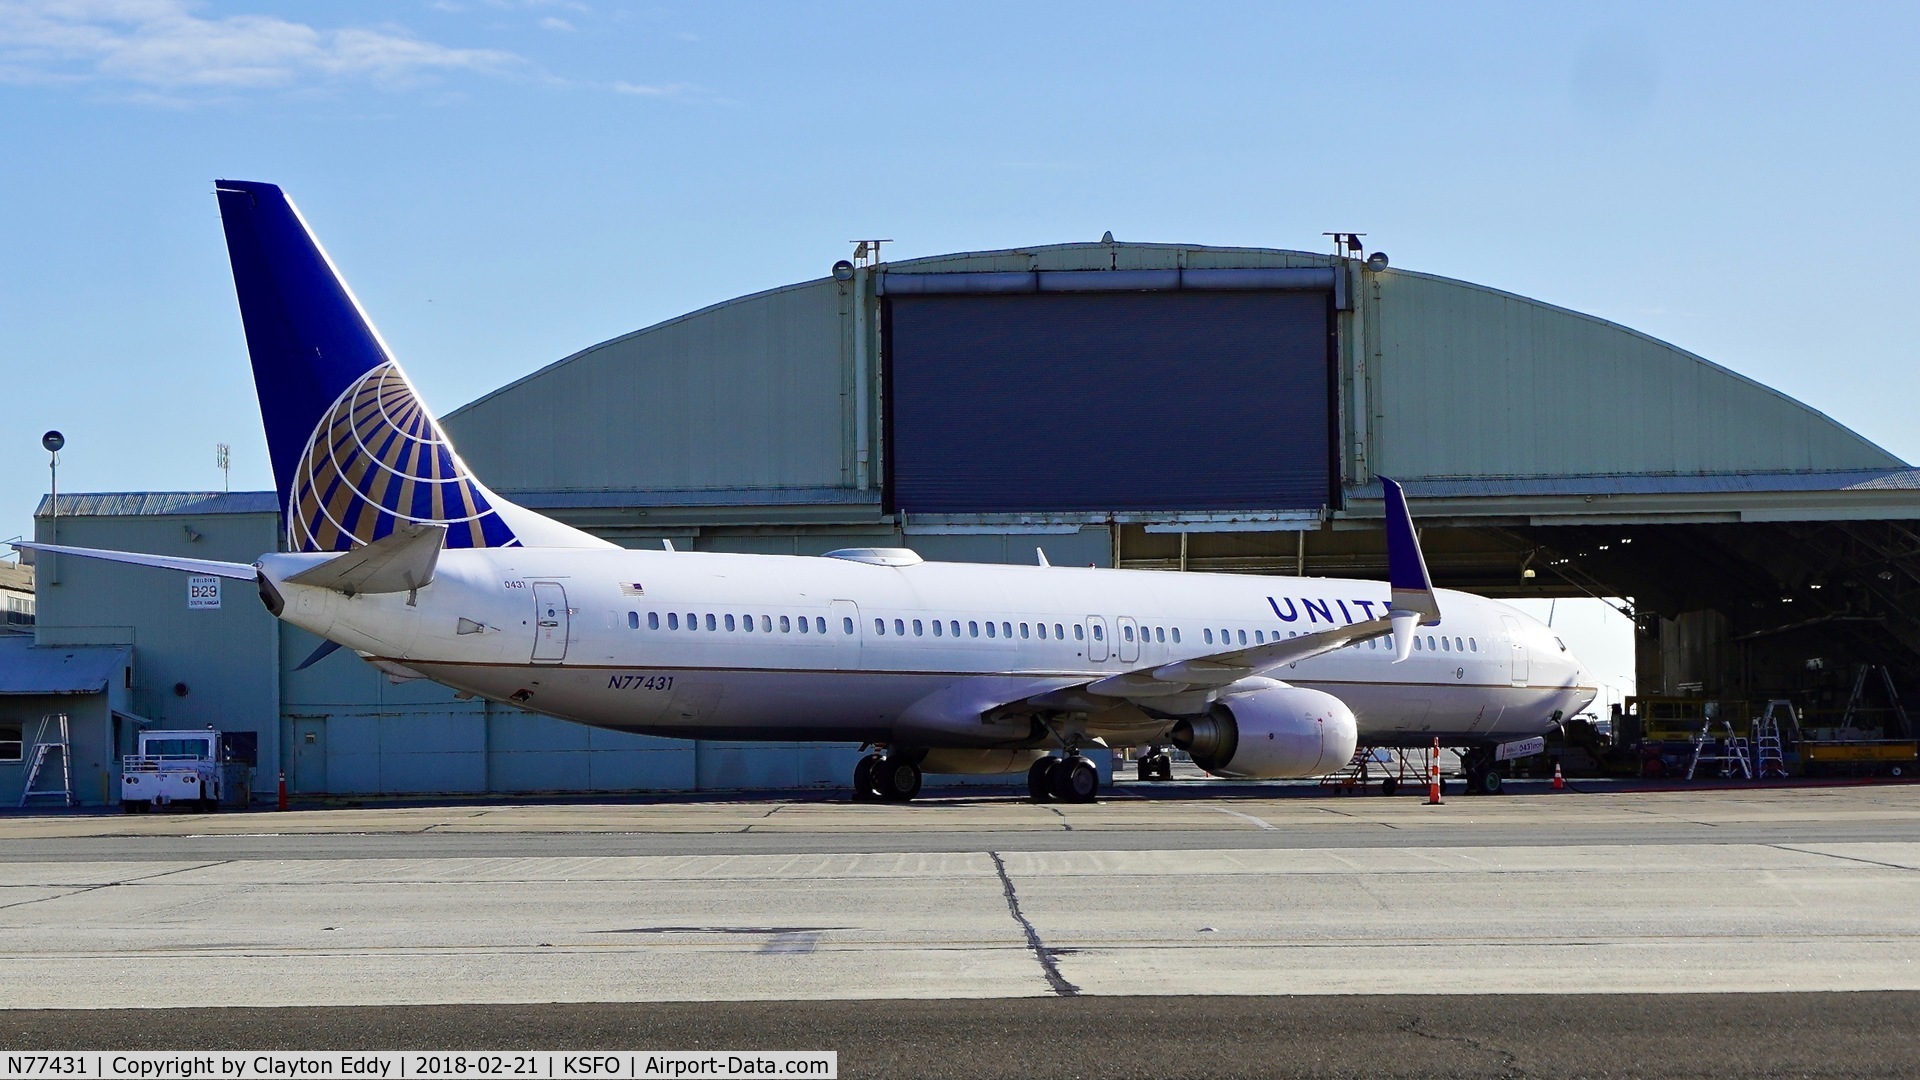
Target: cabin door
1521, 664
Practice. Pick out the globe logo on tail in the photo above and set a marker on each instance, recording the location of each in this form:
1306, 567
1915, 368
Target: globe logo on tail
378, 459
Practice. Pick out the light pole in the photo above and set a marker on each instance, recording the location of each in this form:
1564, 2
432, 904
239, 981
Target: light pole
53, 441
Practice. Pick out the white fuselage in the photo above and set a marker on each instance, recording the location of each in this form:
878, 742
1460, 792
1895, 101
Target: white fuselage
704, 645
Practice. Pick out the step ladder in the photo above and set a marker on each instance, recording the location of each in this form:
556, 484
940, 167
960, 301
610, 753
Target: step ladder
1732, 752
1770, 759
42, 750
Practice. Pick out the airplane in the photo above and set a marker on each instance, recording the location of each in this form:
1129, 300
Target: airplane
396, 551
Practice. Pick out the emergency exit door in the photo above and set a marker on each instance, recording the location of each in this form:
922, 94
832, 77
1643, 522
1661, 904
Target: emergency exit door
550, 622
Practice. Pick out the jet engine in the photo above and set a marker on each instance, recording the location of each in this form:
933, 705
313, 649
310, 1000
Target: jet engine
1271, 732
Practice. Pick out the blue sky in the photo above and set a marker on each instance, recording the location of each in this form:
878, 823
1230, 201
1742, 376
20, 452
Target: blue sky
507, 182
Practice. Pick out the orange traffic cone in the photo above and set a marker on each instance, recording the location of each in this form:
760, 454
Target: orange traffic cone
1433, 776
1559, 782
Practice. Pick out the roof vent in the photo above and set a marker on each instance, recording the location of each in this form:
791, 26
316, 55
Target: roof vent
878, 556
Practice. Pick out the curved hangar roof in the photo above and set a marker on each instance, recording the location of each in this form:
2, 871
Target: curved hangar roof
861, 393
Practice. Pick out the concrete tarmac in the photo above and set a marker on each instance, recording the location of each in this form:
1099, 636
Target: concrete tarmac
1240, 922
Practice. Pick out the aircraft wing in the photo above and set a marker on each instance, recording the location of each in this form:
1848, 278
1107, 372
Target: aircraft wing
238, 571
1413, 603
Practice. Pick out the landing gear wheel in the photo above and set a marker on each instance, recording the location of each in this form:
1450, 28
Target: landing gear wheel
863, 779
1389, 785
1484, 783
1040, 779
1075, 780
896, 779
1163, 766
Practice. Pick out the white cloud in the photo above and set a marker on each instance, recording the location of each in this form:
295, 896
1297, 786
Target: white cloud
661, 90
551, 23
162, 45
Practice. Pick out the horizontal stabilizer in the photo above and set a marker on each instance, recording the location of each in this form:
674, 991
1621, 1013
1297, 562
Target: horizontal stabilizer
237, 571
401, 561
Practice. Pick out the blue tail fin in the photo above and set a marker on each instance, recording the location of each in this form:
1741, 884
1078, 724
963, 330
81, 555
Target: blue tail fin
355, 453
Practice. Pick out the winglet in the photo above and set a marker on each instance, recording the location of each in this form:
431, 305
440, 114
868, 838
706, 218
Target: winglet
1414, 603
1042, 553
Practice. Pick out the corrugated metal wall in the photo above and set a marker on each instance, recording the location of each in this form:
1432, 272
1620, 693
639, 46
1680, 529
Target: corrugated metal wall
753, 393
1471, 382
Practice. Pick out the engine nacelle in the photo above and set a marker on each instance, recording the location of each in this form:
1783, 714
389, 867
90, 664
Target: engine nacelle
1271, 733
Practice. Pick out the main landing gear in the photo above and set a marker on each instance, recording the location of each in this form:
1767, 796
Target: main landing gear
1065, 779
886, 778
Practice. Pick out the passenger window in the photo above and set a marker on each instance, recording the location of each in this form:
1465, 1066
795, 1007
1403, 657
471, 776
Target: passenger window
1023, 631
954, 625
973, 629
1206, 635
1059, 632
1243, 637
1429, 642
746, 623
1160, 634
1126, 632
989, 629
1459, 645
804, 628
1006, 629
673, 621
820, 624
1259, 637
786, 625
936, 628
1474, 644
1042, 628
766, 624
919, 628
880, 627
846, 625
1079, 632
653, 620
900, 627
712, 623
1099, 632
729, 624
1445, 645
1416, 644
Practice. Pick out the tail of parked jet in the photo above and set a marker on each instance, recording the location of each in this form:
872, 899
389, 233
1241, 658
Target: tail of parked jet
355, 452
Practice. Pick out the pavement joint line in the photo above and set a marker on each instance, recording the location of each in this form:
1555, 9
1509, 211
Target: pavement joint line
1049, 963
1264, 825
1848, 858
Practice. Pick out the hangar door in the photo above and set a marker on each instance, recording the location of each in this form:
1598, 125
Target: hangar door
1084, 391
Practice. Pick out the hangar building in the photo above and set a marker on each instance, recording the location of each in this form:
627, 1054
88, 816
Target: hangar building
1139, 405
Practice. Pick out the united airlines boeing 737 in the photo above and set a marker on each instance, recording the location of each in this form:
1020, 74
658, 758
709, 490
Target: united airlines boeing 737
396, 551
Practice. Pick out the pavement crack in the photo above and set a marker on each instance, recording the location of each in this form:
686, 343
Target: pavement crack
1055, 811
82, 890
1412, 1026
1049, 963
